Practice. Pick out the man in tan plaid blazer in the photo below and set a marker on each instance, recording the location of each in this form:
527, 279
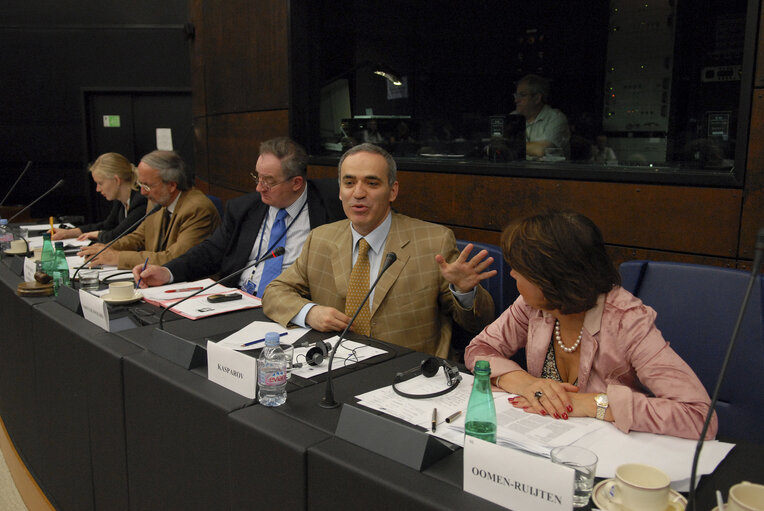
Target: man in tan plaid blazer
429, 285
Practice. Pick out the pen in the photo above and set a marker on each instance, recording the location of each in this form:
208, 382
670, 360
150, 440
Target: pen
52, 230
184, 289
453, 416
250, 343
138, 286
434, 419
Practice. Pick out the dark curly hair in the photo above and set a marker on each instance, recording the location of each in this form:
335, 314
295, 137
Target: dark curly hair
563, 253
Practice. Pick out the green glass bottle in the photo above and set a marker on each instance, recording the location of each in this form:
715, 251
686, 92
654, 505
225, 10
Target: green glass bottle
480, 420
60, 271
48, 255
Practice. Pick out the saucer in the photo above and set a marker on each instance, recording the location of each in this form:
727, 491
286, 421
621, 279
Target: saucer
602, 500
116, 301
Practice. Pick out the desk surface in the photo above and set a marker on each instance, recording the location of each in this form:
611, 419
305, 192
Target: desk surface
187, 442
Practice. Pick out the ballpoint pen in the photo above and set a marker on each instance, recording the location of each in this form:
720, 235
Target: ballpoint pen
250, 343
434, 419
146, 263
184, 289
453, 416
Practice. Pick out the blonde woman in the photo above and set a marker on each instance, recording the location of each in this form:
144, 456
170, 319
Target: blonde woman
116, 179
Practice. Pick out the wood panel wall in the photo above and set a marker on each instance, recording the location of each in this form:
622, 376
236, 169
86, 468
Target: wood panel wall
241, 82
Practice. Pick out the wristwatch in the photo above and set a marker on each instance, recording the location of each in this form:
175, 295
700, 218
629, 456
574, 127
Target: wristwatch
602, 404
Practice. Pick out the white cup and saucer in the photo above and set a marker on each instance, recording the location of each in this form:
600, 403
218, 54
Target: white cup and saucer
638, 487
17, 247
745, 496
122, 292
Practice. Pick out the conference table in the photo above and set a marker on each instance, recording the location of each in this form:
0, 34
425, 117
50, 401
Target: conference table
103, 422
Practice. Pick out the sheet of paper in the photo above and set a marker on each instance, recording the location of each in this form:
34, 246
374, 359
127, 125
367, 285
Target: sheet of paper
257, 330
348, 354
198, 306
175, 291
671, 454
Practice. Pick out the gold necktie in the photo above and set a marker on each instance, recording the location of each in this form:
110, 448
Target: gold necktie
358, 286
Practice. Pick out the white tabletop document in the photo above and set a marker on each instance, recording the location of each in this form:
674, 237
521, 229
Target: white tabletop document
537, 434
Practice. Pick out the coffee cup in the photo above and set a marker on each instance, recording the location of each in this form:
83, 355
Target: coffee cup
745, 496
122, 290
638, 487
38, 254
18, 246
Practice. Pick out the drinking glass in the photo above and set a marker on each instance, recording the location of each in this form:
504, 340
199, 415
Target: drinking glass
584, 462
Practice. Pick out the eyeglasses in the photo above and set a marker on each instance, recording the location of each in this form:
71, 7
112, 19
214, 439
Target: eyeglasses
144, 186
267, 185
518, 95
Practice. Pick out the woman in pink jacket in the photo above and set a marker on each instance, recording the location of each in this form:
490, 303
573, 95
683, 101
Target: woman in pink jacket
592, 348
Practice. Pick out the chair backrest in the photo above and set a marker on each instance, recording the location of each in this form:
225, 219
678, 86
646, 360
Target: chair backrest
218, 203
502, 287
697, 309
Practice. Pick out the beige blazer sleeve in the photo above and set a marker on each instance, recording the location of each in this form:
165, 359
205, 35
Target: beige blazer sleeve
195, 217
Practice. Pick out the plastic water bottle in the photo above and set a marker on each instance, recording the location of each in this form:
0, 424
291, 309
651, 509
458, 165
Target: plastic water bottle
60, 268
272, 372
480, 420
48, 255
6, 235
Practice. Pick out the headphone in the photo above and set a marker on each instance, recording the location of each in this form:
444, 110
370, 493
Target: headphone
429, 367
318, 353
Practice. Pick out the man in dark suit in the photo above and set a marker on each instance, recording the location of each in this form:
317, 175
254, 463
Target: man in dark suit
250, 227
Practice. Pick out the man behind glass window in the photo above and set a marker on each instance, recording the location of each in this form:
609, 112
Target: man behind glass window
544, 126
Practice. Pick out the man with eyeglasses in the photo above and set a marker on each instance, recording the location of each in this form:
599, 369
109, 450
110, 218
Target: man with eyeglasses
186, 218
544, 126
281, 213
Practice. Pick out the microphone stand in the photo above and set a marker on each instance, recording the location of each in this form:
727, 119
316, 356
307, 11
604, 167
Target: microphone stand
328, 400
754, 274
38, 199
112, 242
29, 164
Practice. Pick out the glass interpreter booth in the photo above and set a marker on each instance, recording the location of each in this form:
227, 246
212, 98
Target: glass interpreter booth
653, 90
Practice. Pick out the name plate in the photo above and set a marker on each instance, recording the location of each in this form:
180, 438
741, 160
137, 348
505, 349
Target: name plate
514, 479
94, 309
233, 370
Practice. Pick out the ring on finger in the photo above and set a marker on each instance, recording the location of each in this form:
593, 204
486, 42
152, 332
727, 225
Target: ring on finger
538, 394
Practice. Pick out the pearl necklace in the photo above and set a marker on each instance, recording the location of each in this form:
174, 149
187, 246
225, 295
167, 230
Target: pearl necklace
559, 340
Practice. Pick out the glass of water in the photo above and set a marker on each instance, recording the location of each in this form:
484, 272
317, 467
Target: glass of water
584, 462
88, 279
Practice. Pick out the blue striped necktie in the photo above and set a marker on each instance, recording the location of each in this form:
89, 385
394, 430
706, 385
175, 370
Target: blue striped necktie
272, 267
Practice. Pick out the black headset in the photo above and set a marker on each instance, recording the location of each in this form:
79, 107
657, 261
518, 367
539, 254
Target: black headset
318, 353
429, 367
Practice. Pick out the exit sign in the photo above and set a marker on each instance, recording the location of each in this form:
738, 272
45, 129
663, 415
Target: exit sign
111, 121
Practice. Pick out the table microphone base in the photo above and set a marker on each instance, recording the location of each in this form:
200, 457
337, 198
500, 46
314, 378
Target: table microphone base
177, 350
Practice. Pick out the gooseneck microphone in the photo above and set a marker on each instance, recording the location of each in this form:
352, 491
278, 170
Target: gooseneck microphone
328, 400
276, 252
38, 199
112, 242
29, 164
754, 274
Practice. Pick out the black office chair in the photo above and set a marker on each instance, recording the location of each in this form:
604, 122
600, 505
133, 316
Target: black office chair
697, 309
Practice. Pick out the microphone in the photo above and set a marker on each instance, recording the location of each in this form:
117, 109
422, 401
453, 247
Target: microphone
125, 233
29, 164
57, 185
754, 274
276, 252
328, 400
